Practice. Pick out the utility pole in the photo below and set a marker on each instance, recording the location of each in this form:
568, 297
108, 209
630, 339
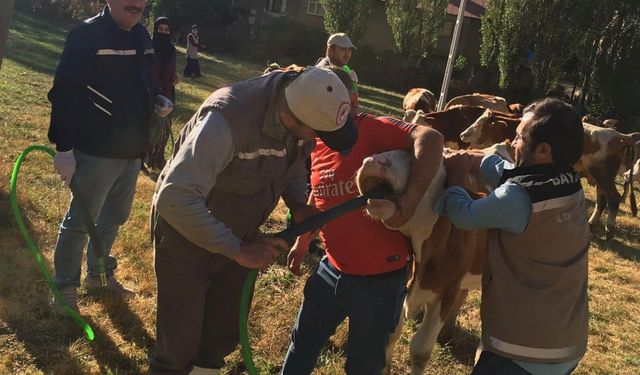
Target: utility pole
6, 9
452, 56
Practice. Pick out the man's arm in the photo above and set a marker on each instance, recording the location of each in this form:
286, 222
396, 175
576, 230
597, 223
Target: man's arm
68, 89
426, 145
301, 247
181, 198
508, 207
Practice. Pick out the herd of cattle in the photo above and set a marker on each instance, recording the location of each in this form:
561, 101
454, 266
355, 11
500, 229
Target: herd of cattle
449, 261
480, 120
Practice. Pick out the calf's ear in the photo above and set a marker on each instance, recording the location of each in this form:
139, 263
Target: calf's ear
380, 209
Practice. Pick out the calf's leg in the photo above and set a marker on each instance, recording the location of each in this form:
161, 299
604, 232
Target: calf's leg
424, 339
393, 340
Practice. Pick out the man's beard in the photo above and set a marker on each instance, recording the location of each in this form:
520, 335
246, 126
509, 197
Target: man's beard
524, 159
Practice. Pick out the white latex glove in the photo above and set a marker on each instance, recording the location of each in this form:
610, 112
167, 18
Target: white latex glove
65, 164
163, 106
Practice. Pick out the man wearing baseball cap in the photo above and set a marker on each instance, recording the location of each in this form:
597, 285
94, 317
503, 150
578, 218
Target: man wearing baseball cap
241, 151
339, 51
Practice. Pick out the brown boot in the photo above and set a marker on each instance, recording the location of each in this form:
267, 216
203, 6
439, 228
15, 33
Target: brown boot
93, 284
69, 296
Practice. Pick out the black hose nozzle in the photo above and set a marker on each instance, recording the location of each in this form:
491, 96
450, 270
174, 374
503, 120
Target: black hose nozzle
316, 221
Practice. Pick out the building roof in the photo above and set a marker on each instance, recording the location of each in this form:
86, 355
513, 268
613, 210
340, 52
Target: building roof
473, 8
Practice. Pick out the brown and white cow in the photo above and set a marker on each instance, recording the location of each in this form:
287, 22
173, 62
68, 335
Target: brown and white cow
447, 260
489, 127
516, 109
496, 103
608, 123
453, 121
419, 99
606, 154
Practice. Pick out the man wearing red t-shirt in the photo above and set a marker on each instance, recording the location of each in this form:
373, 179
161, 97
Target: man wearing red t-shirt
363, 274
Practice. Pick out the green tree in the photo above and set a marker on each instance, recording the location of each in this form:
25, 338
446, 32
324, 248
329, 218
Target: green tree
610, 79
415, 24
599, 40
538, 42
346, 16
208, 14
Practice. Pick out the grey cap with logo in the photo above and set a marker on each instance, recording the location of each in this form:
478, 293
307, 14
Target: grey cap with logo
320, 100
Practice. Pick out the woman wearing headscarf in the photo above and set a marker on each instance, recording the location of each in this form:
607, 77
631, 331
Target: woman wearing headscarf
165, 79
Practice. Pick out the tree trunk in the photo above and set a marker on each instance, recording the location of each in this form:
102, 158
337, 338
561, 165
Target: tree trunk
6, 9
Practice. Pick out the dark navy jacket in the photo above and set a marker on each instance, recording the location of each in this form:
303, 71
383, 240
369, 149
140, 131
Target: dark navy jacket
102, 95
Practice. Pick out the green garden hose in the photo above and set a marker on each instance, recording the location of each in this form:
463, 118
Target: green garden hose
34, 249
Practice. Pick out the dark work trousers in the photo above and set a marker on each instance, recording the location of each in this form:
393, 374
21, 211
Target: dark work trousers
491, 363
198, 305
192, 68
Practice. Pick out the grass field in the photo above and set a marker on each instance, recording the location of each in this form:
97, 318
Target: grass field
34, 341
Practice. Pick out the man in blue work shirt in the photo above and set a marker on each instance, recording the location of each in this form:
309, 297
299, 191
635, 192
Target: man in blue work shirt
534, 291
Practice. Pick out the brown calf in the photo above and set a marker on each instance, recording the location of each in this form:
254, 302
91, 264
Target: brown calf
453, 121
487, 101
447, 260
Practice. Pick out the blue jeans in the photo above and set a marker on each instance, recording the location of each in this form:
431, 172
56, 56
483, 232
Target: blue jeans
108, 186
373, 305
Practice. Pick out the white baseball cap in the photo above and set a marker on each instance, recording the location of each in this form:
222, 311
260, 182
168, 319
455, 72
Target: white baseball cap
320, 100
340, 40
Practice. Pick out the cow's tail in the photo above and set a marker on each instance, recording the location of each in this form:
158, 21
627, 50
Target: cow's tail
628, 184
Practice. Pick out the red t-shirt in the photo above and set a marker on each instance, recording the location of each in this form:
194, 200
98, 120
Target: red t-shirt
355, 243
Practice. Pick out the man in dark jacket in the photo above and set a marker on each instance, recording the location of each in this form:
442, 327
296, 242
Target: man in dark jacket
101, 102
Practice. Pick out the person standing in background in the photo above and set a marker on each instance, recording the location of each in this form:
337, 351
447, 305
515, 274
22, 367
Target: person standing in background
338, 53
165, 79
192, 68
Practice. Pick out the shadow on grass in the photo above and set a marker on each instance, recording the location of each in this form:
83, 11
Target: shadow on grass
462, 344
107, 354
128, 324
39, 344
5, 211
623, 250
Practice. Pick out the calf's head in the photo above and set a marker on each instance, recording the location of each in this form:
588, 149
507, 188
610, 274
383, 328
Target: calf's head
389, 168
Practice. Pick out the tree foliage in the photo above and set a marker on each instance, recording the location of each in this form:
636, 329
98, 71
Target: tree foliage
596, 42
61, 9
209, 14
415, 24
346, 16
532, 34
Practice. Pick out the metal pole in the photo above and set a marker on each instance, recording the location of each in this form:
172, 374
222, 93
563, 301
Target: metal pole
226, 36
6, 9
452, 56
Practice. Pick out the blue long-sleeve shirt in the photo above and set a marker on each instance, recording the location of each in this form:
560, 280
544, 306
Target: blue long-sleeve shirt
507, 207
